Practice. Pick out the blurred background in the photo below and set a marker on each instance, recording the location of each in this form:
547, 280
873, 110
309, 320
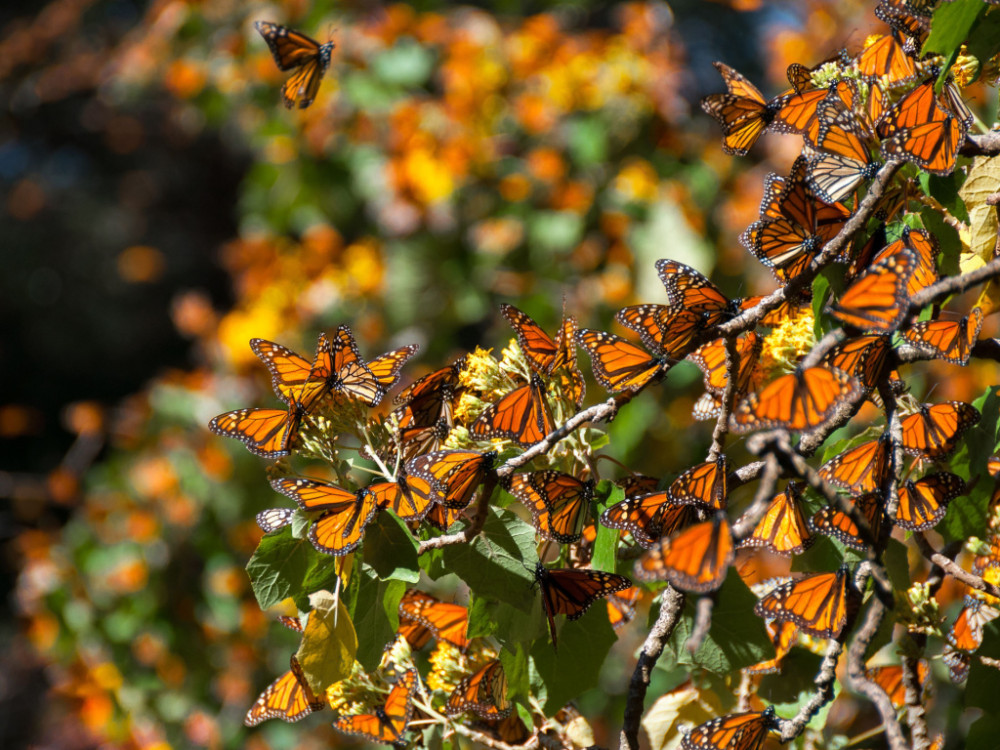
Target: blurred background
159, 207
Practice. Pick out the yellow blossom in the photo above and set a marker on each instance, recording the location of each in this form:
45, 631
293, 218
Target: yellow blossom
789, 342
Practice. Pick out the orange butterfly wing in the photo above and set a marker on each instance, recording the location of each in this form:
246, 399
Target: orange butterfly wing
934, 431
783, 529
800, 401
703, 485
619, 365
454, 474
649, 516
860, 469
559, 503
694, 559
340, 527
950, 340
267, 433
521, 415
571, 591
743, 112
484, 693
817, 603
292, 376
288, 698
293, 49
745, 731
446, 622
389, 721
922, 504
830, 521
386, 367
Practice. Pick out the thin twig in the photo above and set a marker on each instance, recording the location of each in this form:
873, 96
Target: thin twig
702, 624
986, 144
954, 285
470, 531
671, 604
728, 398
890, 483
952, 568
789, 729
746, 523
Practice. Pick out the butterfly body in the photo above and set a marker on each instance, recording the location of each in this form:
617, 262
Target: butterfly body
288, 698
293, 50
570, 591
387, 723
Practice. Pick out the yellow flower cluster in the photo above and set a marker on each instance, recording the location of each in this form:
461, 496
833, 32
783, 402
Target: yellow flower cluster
788, 343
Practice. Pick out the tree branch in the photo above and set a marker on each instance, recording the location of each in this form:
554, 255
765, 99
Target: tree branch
986, 144
952, 568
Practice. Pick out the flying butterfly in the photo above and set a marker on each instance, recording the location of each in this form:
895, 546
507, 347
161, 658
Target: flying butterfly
386, 367
782, 530
388, 723
818, 603
831, 521
293, 50
559, 503
746, 731
703, 485
545, 356
484, 693
621, 607
693, 559
340, 527
859, 469
934, 431
801, 401
949, 340
886, 57
455, 474
922, 504
647, 517
521, 415
288, 698
570, 591
619, 365
743, 111
444, 621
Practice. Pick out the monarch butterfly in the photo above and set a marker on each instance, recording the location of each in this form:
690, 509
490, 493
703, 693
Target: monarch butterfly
859, 469
510, 731
425, 401
619, 365
293, 49
441, 518
292, 623
648, 517
389, 721
831, 521
570, 592
484, 693
877, 301
273, 519
621, 607
693, 559
703, 485
291, 374
783, 635
559, 503
415, 441
865, 357
268, 433
818, 603
966, 636
444, 621
732, 732
386, 366
843, 156
886, 57
950, 340
782, 530
689, 289
711, 360
802, 401
925, 247
906, 16
801, 78
639, 484
345, 371
795, 226
743, 112
410, 498
790, 308
288, 698
668, 330
546, 356
800, 114
922, 504
521, 415
933, 432
340, 527
454, 474
919, 130
890, 679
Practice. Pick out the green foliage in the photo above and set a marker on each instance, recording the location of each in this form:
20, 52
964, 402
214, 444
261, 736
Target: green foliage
391, 550
373, 606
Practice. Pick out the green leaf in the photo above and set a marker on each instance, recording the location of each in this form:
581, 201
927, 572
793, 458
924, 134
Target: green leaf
506, 623
951, 26
515, 666
605, 555
278, 567
736, 638
576, 666
897, 565
821, 291
797, 676
407, 64
984, 39
391, 549
329, 642
983, 686
984, 732
374, 609
945, 190
947, 237
499, 563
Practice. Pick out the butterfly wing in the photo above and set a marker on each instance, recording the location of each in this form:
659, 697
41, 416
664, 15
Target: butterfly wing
694, 559
802, 401
292, 376
860, 469
649, 516
386, 367
665, 329
745, 731
446, 622
922, 504
273, 519
340, 527
350, 375
950, 340
571, 591
783, 529
454, 474
484, 693
538, 347
691, 290
522, 416
703, 485
619, 365
831, 521
817, 603
743, 112
559, 503
934, 431
389, 721
267, 433
288, 698
291, 49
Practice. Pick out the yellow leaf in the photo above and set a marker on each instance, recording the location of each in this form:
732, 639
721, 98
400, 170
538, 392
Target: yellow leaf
329, 642
684, 704
983, 180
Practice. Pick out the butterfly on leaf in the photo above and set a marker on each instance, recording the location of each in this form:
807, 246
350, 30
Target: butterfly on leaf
933, 432
274, 519
559, 503
649, 516
832, 521
442, 620
782, 529
923, 503
693, 559
859, 469
877, 301
521, 415
340, 526
801, 401
389, 721
288, 698
484, 693
746, 731
620, 365
949, 340
545, 356
293, 50
819, 603
409, 497
570, 591
890, 679
454, 474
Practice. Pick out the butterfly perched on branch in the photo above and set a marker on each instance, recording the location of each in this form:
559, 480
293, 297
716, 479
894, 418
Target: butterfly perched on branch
389, 721
293, 50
